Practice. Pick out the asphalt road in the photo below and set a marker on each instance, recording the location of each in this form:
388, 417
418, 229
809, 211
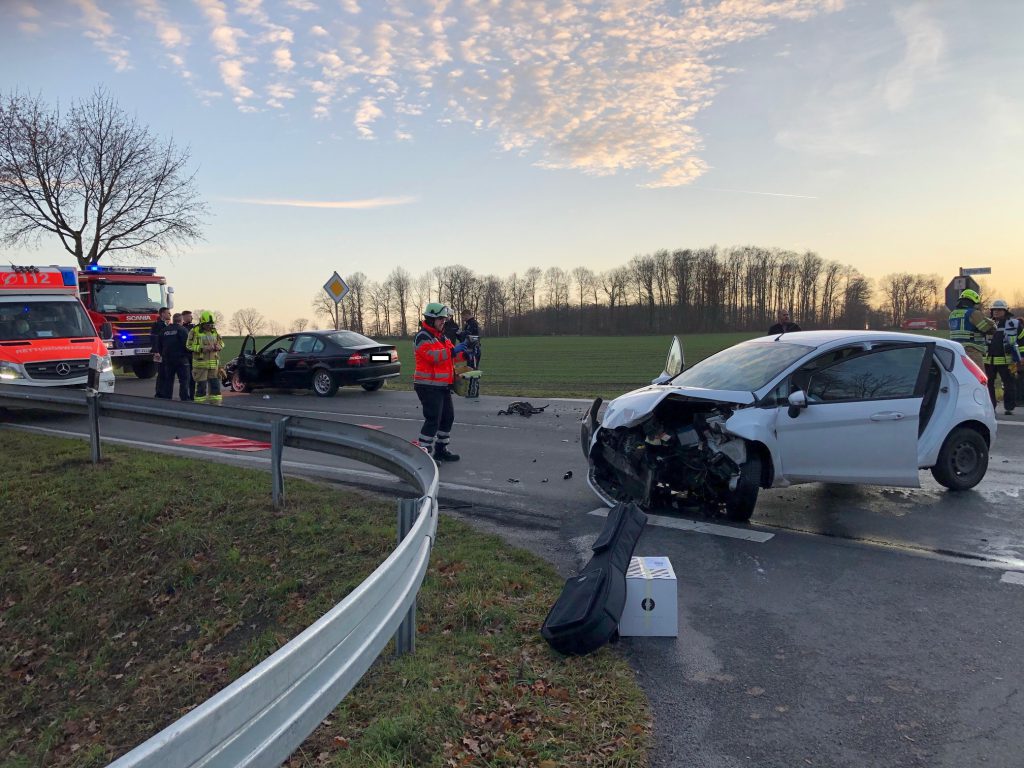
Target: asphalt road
846, 626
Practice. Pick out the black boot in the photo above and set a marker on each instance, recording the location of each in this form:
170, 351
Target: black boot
441, 453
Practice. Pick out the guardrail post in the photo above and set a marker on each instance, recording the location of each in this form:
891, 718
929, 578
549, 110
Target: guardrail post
405, 637
92, 399
278, 430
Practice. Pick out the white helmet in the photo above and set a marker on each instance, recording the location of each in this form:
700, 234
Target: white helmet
999, 304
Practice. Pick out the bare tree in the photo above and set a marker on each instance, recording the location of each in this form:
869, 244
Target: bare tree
274, 328
300, 324
401, 285
95, 178
248, 320
324, 306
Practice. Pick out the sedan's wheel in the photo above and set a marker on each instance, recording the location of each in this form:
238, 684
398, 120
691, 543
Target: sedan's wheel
324, 384
372, 386
740, 503
963, 460
237, 385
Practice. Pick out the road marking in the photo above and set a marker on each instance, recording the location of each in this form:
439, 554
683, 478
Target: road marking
698, 527
1011, 423
417, 420
261, 460
1013, 577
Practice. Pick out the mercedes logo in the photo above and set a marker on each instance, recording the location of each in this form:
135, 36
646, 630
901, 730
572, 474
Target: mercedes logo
63, 369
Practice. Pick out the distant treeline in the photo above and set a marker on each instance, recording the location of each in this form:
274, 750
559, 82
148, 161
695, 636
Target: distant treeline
690, 290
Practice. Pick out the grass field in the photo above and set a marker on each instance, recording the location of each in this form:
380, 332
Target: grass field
564, 366
133, 591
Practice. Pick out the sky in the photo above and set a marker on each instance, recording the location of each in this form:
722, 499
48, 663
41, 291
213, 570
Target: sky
352, 135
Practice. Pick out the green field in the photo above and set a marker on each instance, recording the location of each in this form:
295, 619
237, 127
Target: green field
566, 366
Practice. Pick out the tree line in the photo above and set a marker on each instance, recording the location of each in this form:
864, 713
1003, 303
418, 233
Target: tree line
691, 290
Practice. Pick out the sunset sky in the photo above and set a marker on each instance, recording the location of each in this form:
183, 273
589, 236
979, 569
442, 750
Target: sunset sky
353, 135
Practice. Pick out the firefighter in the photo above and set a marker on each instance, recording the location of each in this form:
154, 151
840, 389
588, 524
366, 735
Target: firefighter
969, 326
433, 380
205, 344
1003, 357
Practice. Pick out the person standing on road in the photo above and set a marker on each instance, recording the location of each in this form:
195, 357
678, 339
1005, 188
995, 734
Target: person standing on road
173, 348
784, 324
471, 328
188, 325
156, 332
205, 344
433, 380
1003, 357
969, 326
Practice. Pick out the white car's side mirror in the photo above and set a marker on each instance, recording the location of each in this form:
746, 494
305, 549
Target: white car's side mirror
797, 402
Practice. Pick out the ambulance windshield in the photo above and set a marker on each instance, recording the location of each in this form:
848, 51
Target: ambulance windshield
41, 318
128, 297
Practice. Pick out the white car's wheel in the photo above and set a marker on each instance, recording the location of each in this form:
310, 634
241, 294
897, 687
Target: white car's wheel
740, 503
963, 460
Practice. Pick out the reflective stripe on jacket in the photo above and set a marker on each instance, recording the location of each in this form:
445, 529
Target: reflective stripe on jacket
434, 358
1002, 350
969, 326
204, 346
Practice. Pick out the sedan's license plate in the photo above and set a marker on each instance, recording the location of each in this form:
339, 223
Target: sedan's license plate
380, 358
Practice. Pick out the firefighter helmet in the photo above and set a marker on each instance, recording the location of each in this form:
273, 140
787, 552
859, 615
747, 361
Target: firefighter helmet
1000, 304
971, 295
206, 316
435, 310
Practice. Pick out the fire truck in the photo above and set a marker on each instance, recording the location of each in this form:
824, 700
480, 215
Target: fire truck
46, 336
129, 298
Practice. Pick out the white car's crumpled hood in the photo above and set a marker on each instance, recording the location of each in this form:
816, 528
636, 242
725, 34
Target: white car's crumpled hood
630, 409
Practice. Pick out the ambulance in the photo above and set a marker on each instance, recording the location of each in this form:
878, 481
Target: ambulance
46, 337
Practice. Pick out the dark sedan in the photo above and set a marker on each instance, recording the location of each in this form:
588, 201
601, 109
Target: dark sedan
317, 360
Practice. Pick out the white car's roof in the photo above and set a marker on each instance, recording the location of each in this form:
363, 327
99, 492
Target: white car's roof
821, 338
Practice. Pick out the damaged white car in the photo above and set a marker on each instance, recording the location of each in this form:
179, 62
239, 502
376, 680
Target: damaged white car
818, 406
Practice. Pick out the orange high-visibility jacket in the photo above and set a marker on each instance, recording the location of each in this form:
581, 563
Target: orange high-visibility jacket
435, 358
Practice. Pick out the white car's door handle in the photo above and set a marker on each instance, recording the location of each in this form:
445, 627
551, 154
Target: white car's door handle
887, 416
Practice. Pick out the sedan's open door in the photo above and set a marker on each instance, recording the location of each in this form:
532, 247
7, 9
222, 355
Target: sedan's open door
246, 367
675, 362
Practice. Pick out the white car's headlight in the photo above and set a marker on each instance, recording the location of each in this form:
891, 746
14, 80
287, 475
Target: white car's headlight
11, 371
106, 366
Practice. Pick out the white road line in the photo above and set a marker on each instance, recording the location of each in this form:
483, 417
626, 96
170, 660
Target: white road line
1013, 577
368, 417
260, 460
1010, 423
698, 527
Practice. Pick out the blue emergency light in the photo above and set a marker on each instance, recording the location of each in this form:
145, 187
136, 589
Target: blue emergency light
70, 277
121, 270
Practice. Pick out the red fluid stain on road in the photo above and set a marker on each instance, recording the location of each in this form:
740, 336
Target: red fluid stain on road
223, 442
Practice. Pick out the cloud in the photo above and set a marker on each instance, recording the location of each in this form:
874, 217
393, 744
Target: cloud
356, 205
366, 115
302, 5
925, 45
99, 29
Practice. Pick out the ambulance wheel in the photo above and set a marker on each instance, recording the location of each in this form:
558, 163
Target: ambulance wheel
324, 384
372, 386
144, 369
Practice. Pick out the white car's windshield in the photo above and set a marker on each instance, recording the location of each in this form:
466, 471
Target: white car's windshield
43, 319
742, 368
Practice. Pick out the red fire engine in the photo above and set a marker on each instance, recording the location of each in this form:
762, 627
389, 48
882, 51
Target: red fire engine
129, 298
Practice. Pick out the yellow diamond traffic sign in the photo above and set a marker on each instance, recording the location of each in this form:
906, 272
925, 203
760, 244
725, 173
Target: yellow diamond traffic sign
336, 288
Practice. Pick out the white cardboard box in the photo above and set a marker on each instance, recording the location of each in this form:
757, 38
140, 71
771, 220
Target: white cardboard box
651, 603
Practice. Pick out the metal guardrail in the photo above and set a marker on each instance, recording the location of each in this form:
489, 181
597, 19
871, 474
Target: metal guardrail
263, 716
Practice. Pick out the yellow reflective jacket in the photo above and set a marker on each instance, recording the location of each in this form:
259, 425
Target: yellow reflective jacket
205, 344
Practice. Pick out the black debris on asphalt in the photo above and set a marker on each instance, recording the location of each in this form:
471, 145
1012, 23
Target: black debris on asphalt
567, 475
521, 408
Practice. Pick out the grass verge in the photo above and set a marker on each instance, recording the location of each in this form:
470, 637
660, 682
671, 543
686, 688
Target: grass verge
131, 592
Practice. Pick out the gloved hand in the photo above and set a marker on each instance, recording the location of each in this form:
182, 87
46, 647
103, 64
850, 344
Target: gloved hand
1014, 367
460, 347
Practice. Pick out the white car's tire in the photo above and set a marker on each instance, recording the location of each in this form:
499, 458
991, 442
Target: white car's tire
963, 460
740, 503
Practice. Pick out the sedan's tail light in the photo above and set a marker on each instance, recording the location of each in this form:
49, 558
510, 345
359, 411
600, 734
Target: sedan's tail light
394, 355
973, 368
358, 359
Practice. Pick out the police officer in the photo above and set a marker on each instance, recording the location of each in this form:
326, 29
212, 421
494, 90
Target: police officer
1003, 357
156, 332
433, 379
174, 350
186, 321
969, 326
469, 335
205, 344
